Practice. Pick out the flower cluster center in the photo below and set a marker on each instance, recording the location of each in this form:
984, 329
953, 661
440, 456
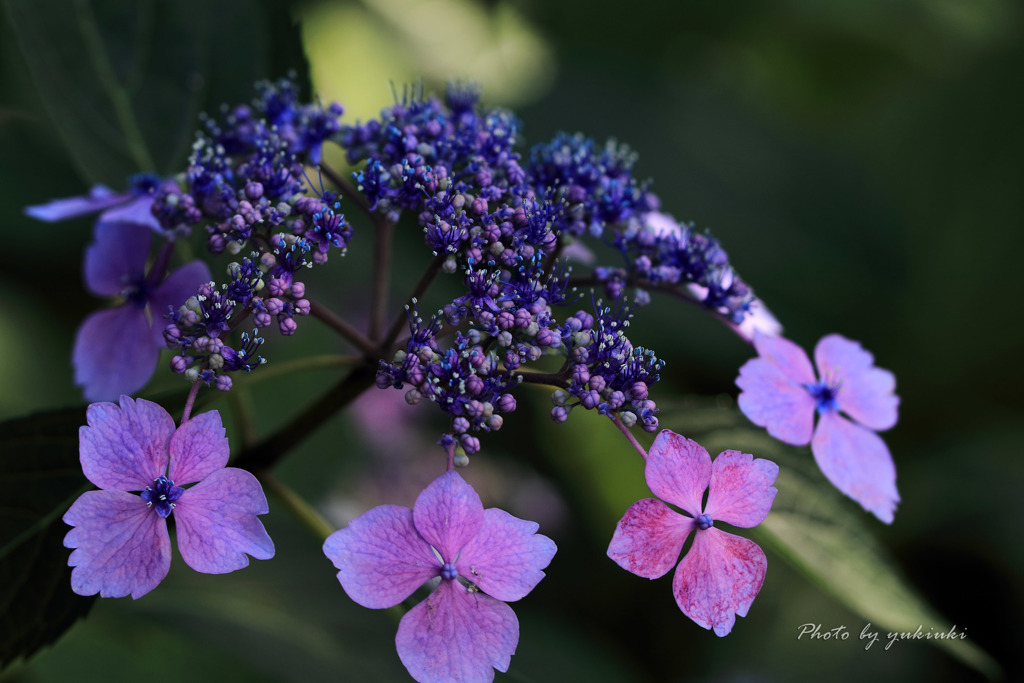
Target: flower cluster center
824, 394
162, 495
449, 571
704, 522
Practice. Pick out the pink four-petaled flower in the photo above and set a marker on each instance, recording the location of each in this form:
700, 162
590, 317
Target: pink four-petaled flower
120, 538
721, 574
484, 558
782, 393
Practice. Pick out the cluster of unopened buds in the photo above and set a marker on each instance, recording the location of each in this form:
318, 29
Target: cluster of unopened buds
511, 229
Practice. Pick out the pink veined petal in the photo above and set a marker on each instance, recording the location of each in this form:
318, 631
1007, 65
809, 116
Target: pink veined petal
217, 524
448, 514
789, 357
99, 198
137, 212
865, 392
741, 489
114, 353
771, 399
125, 448
719, 578
381, 557
649, 537
173, 293
198, 449
121, 546
455, 635
116, 256
858, 463
678, 471
506, 559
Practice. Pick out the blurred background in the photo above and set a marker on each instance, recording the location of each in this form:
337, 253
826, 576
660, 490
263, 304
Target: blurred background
861, 162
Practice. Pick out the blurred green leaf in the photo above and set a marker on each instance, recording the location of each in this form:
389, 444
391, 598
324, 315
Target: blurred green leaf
824, 535
40, 477
124, 83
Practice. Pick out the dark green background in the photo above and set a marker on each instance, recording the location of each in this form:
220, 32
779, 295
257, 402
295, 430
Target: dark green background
861, 162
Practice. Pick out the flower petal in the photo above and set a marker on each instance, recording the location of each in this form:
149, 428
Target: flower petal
648, 539
173, 293
138, 212
114, 353
116, 257
678, 471
771, 399
99, 198
507, 557
198, 449
787, 356
381, 557
719, 577
448, 514
865, 392
858, 463
456, 635
121, 546
741, 489
217, 524
759, 320
125, 448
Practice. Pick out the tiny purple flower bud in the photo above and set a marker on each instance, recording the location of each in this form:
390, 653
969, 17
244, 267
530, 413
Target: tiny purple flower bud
460, 425
298, 290
172, 335
580, 375
523, 318
616, 399
274, 306
494, 422
223, 382
287, 326
597, 383
638, 391
506, 403
179, 364
302, 306
505, 320
470, 444
560, 413
474, 385
261, 318
277, 286
253, 190
590, 399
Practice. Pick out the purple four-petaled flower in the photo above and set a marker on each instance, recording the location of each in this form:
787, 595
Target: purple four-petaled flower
482, 558
117, 349
120, 538
721, 574
782, 392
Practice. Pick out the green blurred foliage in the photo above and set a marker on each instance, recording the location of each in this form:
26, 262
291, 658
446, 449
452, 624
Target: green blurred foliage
860, 162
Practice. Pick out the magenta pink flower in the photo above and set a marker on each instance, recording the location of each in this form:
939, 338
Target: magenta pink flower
782, 393
483, 558
120, 538
721, 574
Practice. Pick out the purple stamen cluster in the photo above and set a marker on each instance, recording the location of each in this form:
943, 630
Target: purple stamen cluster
162, 495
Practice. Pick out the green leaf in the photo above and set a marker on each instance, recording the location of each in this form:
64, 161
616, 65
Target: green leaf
40, 477
823, 534
124, 83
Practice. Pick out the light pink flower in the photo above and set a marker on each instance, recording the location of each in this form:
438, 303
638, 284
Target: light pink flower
721, 574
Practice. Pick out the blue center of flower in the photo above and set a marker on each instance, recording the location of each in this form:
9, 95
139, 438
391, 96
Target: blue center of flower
704, 522
449, 572
138, 291
161, 495
824, 394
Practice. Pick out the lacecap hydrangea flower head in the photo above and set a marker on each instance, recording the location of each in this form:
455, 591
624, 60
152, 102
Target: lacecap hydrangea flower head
142, 465
853, 400
721, 574
482, 559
